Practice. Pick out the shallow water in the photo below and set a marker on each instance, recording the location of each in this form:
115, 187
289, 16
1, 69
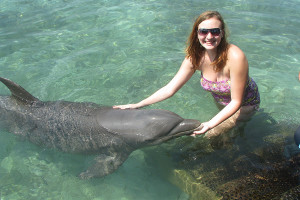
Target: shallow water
117, 52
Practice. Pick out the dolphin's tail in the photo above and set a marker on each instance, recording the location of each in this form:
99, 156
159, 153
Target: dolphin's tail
18, 92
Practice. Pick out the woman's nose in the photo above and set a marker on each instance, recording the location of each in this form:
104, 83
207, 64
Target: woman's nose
209, 35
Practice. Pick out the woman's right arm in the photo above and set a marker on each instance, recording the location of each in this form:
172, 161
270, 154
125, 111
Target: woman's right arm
183, 75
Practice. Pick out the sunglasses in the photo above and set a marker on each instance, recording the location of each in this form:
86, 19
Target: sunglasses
213, 31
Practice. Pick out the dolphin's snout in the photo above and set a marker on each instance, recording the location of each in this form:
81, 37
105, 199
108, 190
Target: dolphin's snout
190, 124
187, 126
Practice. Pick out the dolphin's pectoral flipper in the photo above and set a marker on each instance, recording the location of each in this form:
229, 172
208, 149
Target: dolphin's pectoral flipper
104, 165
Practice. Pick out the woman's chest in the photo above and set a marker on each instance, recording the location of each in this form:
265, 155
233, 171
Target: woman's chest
217, 87
208, 71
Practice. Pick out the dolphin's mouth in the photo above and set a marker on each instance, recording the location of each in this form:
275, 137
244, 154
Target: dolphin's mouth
186, 127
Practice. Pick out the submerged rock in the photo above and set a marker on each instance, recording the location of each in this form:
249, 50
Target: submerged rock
259, 169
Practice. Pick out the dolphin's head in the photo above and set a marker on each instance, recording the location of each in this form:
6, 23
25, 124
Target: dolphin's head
141, 127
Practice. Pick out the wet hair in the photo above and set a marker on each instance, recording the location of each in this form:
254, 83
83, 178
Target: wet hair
195, 50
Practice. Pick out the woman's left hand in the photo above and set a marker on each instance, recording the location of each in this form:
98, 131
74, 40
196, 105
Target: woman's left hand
201, 129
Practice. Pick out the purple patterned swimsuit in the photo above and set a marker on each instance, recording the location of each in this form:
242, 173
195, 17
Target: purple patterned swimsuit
220, 90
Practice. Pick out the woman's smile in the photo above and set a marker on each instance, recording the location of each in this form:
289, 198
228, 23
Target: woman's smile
209, 33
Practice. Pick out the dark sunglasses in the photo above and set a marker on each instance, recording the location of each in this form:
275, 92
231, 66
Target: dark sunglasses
213, 31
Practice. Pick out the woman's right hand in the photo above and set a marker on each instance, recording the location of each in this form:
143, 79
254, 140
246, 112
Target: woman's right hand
127, 106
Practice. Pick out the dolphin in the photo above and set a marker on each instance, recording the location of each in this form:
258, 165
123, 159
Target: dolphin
88, 128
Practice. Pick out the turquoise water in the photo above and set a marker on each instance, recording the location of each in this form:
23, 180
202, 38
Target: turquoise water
118, 52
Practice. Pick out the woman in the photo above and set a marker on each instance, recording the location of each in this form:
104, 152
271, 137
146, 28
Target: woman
224, 72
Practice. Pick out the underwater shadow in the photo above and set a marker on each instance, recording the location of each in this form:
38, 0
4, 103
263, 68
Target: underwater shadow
258, 160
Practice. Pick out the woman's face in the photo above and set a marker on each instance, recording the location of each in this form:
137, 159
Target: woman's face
211, 38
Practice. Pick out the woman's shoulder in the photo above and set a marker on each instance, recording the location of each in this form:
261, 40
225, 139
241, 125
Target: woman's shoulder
237, 60
235, 53
188, 63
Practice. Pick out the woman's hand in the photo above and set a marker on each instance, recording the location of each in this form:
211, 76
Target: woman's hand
202, 129
127, 106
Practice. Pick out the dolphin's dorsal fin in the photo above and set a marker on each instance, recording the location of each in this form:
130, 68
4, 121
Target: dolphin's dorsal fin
18, 92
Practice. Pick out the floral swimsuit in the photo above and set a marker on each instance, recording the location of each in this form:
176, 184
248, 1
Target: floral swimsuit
220, 90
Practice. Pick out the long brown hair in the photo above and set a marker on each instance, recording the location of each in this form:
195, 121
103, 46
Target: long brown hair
195, 50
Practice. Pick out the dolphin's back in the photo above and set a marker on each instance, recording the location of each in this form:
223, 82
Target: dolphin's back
67, 126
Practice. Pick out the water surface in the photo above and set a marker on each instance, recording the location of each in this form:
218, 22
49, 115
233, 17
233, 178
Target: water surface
118, 52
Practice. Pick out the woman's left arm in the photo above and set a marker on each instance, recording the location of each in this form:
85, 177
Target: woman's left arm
238, 66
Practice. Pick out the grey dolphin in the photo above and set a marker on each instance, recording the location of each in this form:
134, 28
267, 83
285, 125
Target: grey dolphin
88, 128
